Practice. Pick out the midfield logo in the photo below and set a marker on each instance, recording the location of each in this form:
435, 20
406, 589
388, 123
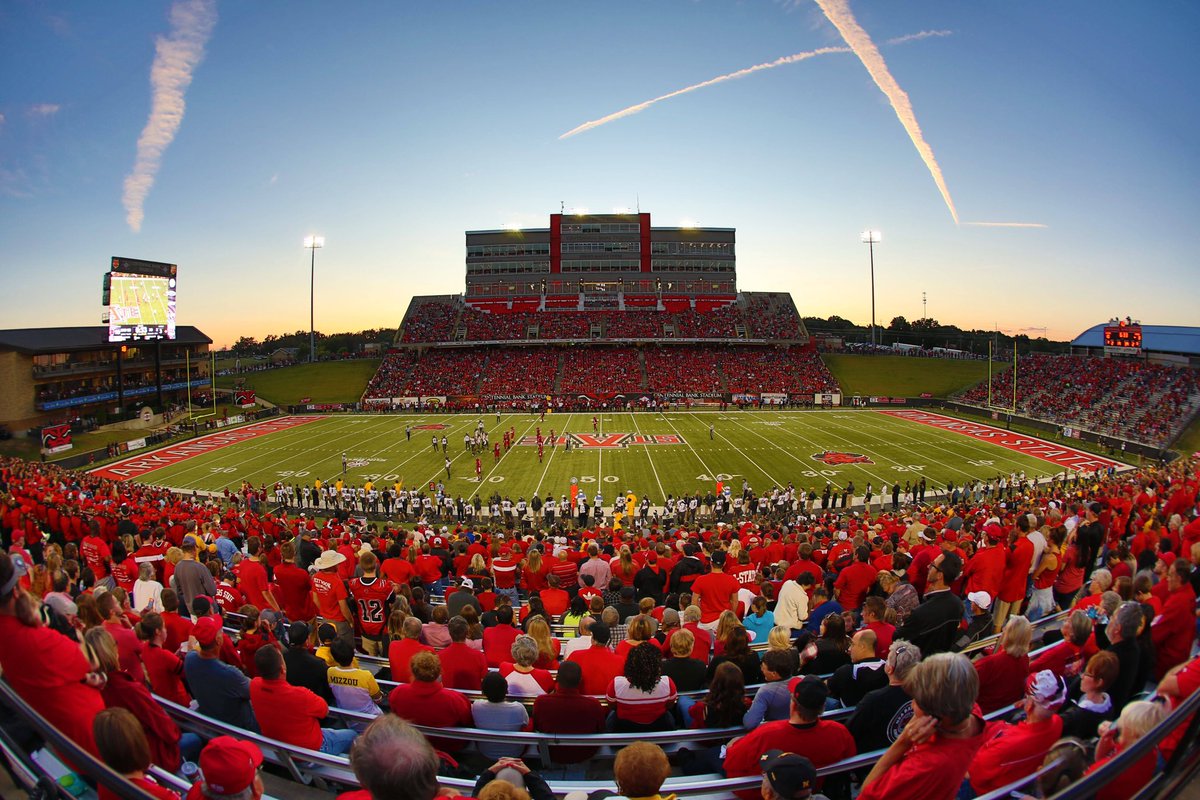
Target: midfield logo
834, 458
605, 441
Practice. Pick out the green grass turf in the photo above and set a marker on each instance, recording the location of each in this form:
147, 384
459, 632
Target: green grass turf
764, 448
324, 382
1189, 441
902, 376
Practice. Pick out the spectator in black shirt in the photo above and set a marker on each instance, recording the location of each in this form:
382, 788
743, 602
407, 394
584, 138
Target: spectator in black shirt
689, 674
881, 714
304, 668
865, 673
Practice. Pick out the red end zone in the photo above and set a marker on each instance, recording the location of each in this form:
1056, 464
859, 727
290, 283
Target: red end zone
1066, 457
138, 466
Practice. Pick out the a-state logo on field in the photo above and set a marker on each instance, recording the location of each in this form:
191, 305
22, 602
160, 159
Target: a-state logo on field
435, 426
605, 441
836, 457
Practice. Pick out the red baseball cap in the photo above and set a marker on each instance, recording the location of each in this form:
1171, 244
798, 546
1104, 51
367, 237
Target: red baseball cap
205, 631
229, 765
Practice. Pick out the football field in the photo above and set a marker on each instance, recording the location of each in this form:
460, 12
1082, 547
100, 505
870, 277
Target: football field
650, 454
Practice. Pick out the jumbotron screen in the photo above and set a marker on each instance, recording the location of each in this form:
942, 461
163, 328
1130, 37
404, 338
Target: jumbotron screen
141, 307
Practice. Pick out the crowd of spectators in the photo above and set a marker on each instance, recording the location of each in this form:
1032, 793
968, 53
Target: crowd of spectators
796, 369
666, 629
764, 316
686, 368
511, 370
430, 321
495, 370
587, 370
1123, 398
772, 316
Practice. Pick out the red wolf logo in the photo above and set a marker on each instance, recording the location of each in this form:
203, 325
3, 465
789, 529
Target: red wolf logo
834, 458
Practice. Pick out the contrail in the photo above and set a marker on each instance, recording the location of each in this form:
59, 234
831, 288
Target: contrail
916, 37
1007, 224
838, 12
741, 73
176, 58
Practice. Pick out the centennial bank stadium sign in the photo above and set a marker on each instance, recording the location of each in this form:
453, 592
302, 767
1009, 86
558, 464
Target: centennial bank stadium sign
604, 441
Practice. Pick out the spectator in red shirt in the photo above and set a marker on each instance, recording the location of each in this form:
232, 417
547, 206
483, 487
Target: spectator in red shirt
401, 651
252, 577
873, 613
1135, 721
855, 580
1011, 751
498, 639
330, 595
295, 586
463, 667
822, 741
426, 702
123, 747
164, 669
1017, 564
1175, 629
642, 697
120, 689
715, 592
567, 710
1068, 656
179, 628
929, 758
554, 600
290, 713
600, 665
1002, 674
128, 643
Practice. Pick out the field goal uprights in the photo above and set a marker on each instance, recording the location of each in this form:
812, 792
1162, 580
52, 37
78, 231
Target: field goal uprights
212, 375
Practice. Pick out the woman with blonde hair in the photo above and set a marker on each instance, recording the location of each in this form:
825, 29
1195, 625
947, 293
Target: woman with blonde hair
477, 567
640, 629
1002, 674
725, 626
121, 690
623, 568
548, 647
1136, 720
780, 638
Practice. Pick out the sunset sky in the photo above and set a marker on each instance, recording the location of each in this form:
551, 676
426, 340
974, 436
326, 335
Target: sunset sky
218, 135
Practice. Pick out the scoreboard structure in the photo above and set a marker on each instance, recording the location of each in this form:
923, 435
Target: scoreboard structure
140, 299
1123, 338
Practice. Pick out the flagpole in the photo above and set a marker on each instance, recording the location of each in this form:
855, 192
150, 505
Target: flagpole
989, 374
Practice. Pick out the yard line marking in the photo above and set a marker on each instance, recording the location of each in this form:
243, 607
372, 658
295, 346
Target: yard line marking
923, 442
742, 452
553, 450
495, 465
982, 448
636, 427
693, 449
419, 452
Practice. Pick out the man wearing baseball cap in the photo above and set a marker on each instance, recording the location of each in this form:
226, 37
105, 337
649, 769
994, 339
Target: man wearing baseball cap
1013, 751
221, 691
228, 768
824, 741
787, 776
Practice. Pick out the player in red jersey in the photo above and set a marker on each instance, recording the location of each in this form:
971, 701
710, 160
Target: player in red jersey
478, 469
496, 452
372, 600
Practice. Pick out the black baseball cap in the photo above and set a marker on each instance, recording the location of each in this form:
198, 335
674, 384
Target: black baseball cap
791, 776
811, 693
297, 634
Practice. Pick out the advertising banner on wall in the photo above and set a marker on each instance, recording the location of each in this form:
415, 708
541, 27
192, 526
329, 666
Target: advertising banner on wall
243, 398
56, 438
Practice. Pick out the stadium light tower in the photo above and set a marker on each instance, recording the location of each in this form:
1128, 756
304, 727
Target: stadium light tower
870, 238
313, 243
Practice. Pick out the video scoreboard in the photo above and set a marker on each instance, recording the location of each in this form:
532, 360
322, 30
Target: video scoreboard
1123, 338
140, 298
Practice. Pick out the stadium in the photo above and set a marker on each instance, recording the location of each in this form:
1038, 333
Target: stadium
605, 521
653, 401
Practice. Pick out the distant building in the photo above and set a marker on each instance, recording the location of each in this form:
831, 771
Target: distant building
56, 374
601, 261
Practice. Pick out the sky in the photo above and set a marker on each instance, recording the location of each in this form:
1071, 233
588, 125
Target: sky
218, 135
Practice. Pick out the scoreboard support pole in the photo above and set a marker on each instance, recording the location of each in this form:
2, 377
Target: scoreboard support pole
158, 373
120, 384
